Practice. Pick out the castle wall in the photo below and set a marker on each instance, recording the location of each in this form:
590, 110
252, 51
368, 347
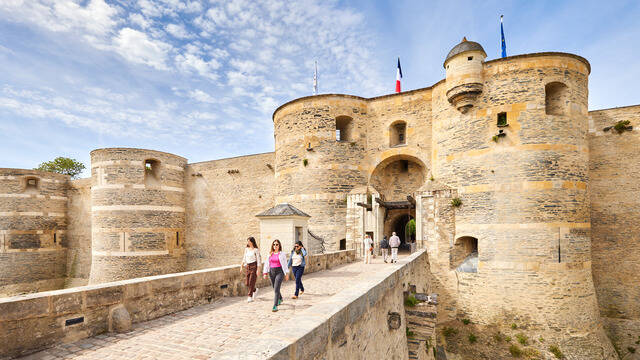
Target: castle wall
78, 232
222, 205
614, 170
333, 168
33, 223
524, 197
138, 214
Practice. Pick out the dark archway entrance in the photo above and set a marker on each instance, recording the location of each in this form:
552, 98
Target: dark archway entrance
397, 222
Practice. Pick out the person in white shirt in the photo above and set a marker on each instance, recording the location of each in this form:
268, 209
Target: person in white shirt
368, 245
394, 242
251, 264
297, 263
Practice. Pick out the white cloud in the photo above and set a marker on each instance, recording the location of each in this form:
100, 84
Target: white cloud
192, 63
137, 47
177, 31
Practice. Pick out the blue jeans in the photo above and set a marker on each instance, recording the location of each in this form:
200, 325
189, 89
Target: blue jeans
297, 273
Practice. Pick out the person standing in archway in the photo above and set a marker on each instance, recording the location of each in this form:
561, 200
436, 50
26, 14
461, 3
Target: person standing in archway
384, 246
394, 242
368, 247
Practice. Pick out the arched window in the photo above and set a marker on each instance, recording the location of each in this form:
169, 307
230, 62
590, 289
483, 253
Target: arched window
398, 133
464, 255
556, 97
151, 172
344, 128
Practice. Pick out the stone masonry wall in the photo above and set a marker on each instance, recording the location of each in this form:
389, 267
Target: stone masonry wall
614, 170
223, 199
33, 224
138, 214
29, 323
78, 233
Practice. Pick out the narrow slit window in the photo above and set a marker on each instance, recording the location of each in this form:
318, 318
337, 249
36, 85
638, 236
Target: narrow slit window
31, 184
55, 238
502, 119
177, 238
469, 58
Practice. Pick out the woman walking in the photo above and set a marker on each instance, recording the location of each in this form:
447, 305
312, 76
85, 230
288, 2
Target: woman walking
297, 263
276, 267
251, 263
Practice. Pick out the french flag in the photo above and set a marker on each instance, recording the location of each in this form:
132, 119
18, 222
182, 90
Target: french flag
398, 77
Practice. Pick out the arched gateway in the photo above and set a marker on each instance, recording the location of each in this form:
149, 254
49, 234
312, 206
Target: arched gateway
387, 204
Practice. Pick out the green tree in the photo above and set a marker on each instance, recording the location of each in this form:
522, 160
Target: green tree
62, 165
410, 229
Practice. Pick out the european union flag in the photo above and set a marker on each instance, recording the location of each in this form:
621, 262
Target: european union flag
504, 44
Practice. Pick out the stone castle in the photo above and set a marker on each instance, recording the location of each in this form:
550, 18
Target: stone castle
526, 202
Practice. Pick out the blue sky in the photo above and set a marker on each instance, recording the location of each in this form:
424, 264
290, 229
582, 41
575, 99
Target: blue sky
201, 78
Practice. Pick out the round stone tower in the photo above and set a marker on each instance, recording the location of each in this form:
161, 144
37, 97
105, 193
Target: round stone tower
319, 146
33, 223
138, 214
510, 135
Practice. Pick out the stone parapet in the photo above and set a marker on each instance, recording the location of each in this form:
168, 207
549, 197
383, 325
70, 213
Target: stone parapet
35, 321
366, 319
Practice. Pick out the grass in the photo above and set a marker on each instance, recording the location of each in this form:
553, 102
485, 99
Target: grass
507, 338
556, 352
522, 338
531, 353
515, 351
498, 337
456, 202
495, 138
466, 321
514, 326
541, 339
473, 338
411, 301
305, 162
449, 331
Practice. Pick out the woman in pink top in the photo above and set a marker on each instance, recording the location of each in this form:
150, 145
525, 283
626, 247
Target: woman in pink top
276, 267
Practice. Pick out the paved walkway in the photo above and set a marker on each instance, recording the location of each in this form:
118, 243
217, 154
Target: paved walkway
208, 331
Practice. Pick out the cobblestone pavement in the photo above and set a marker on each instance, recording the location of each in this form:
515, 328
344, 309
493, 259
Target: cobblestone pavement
205, 331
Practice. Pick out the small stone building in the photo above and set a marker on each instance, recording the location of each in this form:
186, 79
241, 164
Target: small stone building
526, 201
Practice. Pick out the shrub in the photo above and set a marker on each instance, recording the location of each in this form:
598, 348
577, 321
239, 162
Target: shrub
514, 326
411, 301
621, 126
466, 321
498, 337
531, 353
456, 202
494, 138
541, 339
305, 162
472, 338
448, 332
507, 338
556, 352
522, 338
515, 351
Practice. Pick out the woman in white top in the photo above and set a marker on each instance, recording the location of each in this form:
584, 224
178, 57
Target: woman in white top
251, 261
297, 263
368, 247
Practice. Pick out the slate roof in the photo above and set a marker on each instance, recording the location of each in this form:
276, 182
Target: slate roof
283, 210
464, 45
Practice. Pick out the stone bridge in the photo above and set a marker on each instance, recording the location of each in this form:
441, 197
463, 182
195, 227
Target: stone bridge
346, 312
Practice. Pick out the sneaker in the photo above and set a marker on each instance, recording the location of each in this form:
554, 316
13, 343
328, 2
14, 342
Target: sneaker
294, 297
249, 299
301, 292
385, 261
279, 301
255, 293
275, 308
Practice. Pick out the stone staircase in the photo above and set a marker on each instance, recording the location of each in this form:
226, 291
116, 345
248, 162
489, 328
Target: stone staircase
421, 321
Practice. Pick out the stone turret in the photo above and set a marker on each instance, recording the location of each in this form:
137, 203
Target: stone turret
463, 66
138, 214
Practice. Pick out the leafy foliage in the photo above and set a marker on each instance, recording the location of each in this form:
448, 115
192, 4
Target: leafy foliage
411, 301
410, 229
466, 321
515, 351
556, 352
621, 126
449, 331
473, 338
522, 338
456, 202
62, 165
